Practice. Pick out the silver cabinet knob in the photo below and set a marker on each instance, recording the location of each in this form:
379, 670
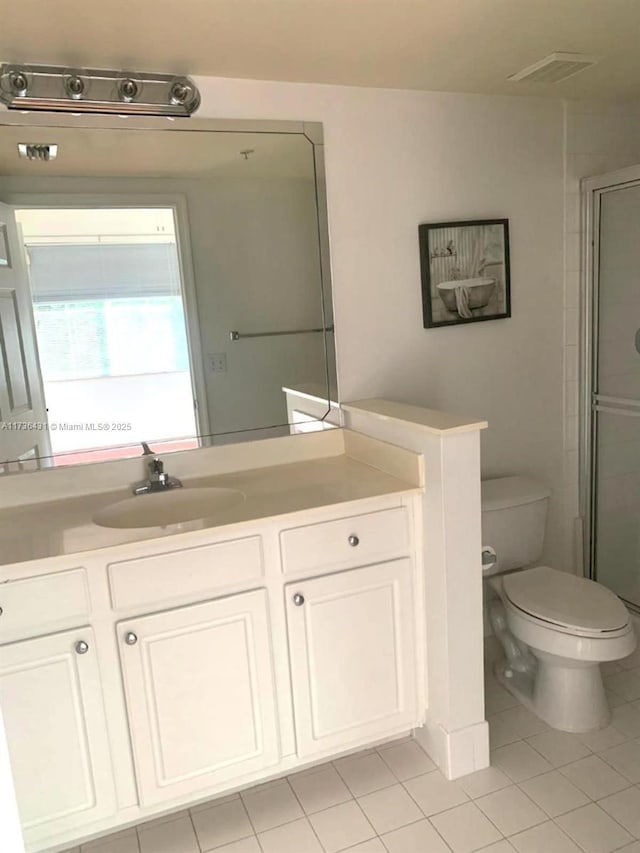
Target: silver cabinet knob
1, 611
81, 647
354, 540
130, 638
298, 599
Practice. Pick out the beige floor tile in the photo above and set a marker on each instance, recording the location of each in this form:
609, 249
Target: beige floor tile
418, 837
602, 738
626, 718
272, 806
511, 810
625, 759
554, 793
595, 777
317, 791
559, 747
625, 808
484, 782
625, 684
295, 837
499, 847
365, 773
373, 845
433, 793
175, 836
593, 830
406, 760
546, 838
221, 824
520, 761
341, 827
522, 721
500, 733
389, 809
614, 700
465, 828
247, 845
498, 699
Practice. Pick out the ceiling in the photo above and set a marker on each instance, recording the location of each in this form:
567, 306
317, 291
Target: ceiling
448, 45
158, 153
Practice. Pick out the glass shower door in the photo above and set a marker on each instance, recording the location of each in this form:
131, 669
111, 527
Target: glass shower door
616, 391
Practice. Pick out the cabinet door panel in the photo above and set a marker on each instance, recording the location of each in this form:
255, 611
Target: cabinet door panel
200, 695
353, 655
56, 730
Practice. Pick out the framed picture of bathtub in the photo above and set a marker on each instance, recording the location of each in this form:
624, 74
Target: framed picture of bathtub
465, 272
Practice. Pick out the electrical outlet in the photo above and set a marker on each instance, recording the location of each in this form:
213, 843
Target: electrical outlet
217, 362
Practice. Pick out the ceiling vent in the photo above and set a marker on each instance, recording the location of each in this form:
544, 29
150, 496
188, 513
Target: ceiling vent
38, 151
554, 68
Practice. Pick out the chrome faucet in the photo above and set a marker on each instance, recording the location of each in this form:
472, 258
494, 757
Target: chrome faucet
158, 480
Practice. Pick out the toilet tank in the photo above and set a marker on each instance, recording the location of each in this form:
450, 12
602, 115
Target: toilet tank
514, 512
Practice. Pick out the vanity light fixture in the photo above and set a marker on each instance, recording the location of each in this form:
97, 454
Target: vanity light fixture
41, 151
53, 88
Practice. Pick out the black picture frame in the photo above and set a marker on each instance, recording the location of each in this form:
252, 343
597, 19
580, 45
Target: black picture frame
461, 251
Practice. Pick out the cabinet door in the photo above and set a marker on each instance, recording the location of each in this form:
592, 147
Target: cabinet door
56, 730
352, 647
200, 695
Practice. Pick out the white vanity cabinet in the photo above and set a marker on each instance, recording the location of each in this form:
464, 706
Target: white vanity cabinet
56, 730
227, 656
200, 695
352, 648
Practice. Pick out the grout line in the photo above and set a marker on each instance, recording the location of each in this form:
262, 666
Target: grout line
195, 831
306, 816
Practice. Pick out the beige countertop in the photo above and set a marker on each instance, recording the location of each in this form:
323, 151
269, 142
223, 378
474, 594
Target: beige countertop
55, 528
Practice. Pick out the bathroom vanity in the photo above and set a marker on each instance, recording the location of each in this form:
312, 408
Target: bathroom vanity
145, 669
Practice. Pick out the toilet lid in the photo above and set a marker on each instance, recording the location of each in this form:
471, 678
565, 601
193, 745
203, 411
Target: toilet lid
565, 600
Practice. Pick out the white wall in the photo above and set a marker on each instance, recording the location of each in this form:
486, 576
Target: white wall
395, 159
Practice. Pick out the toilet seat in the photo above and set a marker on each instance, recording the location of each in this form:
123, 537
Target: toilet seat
565, 603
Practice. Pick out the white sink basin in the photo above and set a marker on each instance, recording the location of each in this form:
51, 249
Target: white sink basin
159, 509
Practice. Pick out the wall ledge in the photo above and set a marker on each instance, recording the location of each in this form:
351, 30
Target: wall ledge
417, 417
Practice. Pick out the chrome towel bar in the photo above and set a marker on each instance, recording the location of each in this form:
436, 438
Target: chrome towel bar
235, 336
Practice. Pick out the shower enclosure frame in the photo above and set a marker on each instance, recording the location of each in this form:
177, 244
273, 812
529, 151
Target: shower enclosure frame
592, 190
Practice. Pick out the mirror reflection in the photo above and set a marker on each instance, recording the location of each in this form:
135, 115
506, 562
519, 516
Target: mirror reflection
158, 286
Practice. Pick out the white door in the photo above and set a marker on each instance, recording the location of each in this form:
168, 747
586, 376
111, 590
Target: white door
352, 647
200, 695
21, 397
55, 726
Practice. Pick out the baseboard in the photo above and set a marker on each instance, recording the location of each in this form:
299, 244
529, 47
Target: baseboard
456, 753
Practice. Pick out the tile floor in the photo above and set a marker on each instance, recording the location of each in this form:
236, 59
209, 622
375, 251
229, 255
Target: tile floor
546, 792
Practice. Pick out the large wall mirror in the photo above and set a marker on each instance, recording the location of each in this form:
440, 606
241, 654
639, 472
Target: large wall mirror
161, 282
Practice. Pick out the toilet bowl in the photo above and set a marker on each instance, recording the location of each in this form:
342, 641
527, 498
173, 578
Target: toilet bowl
569, 626
555, 628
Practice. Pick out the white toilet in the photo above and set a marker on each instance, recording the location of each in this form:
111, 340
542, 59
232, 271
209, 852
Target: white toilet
555, 628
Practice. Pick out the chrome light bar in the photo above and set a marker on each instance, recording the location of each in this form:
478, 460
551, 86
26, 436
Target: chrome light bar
48, 87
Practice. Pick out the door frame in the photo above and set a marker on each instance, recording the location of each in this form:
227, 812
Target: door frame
592, 190
178, 203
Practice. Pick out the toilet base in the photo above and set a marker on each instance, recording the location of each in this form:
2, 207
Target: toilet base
567, 695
